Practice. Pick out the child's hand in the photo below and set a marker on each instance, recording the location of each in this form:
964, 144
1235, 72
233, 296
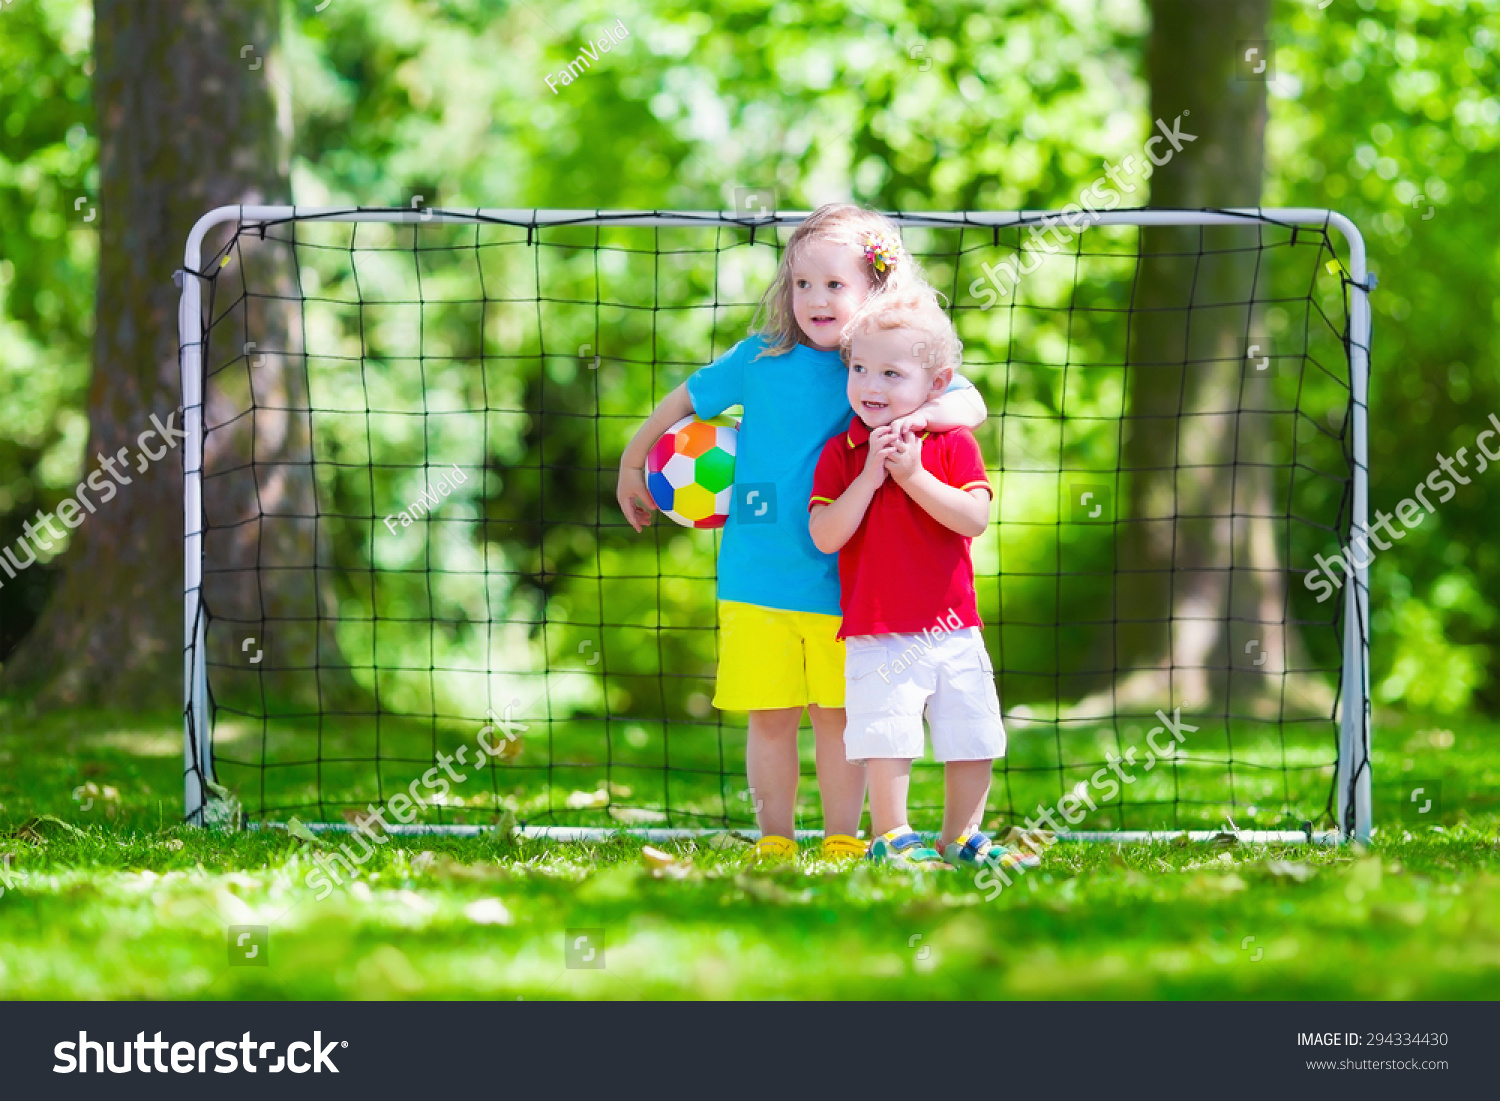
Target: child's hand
906, 457
912, 422
882, 442
635, 500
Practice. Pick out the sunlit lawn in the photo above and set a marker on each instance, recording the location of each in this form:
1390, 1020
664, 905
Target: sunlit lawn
129, 903
621, 771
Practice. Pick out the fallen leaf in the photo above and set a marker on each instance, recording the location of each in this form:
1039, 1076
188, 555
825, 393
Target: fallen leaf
224, 811
656, 858
488, 911
764, 888
665, 864
444, 866
301, 832
1028, 841
1296, 871
422, 861
33, 830
1203, 884
720, 842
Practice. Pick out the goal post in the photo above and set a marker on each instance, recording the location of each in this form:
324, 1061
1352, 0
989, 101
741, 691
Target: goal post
341, 364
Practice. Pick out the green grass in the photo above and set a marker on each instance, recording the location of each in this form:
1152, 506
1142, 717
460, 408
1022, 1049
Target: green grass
128, 903
1268, 775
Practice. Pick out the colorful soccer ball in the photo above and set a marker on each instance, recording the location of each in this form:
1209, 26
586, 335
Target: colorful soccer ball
690, 471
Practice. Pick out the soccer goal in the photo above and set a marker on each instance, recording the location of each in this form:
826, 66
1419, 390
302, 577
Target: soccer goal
408, 586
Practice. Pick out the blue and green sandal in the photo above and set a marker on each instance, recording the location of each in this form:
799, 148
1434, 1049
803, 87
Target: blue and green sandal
976, 850
902, 848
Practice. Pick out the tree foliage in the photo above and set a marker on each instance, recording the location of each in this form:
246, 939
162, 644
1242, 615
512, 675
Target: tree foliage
1381, 108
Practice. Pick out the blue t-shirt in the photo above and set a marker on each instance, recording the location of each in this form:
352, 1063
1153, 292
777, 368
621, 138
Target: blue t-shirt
794, 404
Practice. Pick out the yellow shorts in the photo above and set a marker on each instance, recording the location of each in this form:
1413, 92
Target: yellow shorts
773, 658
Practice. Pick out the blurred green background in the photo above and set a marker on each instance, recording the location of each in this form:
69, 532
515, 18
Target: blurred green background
1383, 110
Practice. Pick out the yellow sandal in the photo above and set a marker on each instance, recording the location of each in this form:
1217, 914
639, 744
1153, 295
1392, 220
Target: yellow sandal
772, 848
840, 846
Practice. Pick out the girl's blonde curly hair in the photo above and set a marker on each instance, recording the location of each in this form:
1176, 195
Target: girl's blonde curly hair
845, 224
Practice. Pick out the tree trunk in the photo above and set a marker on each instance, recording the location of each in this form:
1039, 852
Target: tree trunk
1200, 606
193, 113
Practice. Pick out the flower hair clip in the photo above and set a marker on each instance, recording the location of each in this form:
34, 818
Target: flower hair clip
882, 250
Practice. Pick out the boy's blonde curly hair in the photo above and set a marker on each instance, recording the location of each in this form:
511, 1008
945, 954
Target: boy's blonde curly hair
913, 307
842, 223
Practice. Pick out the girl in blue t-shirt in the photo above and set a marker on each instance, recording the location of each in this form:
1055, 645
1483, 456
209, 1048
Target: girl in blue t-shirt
778, 594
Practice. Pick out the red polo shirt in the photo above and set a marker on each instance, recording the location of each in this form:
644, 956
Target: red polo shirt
902, 571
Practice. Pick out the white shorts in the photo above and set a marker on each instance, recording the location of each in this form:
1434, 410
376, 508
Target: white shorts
891, 680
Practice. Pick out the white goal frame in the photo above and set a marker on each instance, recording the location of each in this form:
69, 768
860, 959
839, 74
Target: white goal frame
1352, 779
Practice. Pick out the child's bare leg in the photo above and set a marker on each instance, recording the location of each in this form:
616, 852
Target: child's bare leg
771, 767
890, 780
968, 786
841, 783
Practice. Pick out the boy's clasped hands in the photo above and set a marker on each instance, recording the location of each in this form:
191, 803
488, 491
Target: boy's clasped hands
895, 449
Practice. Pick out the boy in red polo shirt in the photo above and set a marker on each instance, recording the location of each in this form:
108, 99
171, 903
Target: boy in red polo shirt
901, 504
